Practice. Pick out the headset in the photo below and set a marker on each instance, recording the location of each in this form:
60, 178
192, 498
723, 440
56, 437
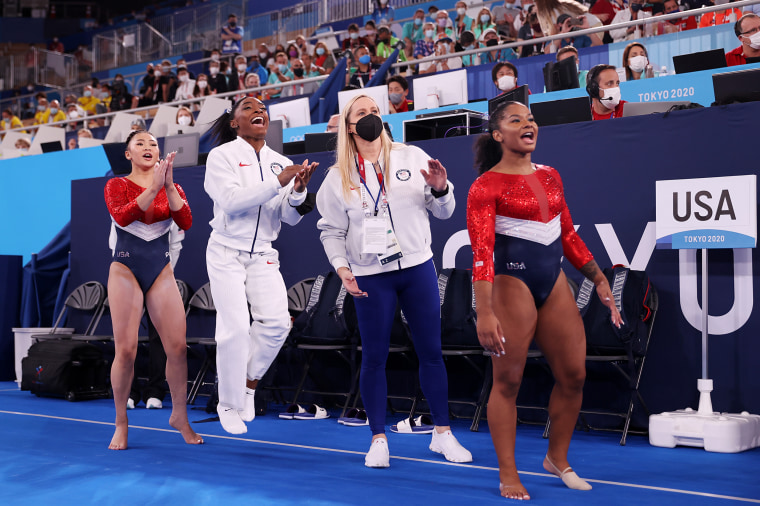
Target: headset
592, 84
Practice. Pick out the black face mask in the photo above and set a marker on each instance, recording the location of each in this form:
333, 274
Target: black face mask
232, 24
492, 42
369, 127
636, 7
298, 72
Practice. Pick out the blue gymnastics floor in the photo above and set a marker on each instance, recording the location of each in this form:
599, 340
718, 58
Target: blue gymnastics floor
55, 452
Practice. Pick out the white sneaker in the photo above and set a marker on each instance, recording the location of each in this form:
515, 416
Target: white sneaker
231, 421
154, 403
378, 455
130, 404
448, 445
248, 413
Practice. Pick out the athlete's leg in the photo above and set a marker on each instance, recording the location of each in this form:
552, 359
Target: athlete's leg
561, 337
126, 303
515, 309
165, 304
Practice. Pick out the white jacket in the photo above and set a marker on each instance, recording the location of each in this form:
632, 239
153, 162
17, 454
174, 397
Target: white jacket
409, 200
621, 34
249, 203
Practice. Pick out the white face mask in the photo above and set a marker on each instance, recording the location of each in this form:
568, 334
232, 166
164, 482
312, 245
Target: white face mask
213, 70
241, 67
754, 40
263, 56
638, 63
506, 83
461, 11
73, 114
202, 84
183, 120
183, 78
611, 97
214, 57
157, 73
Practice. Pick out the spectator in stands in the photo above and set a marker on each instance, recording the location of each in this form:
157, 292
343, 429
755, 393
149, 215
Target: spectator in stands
426, 46
309, 69
279, 73
201, 87
679, 24
323, 57
237, 75
292, 51
531, 29
217, 81
747, 29
571, 52
364, 70
730, 15
252, 81
398, 91
636, 62
23, 144
294, 87
370, 33
413, 31
383, 13
72, 99
73, 114
279, 48
504, 76
483, 23
81, 133
633, 12
386, 43
603, 86
443, 45
504, 17
214, 55
184, 116
167, 82
10, 121
303, 46
138, 124
491, 38
332, 123
443, 25
254, 65
42, 108
54, 113
568, 24
120, 97
462, 22
432, 11
549, 10
264, 55
467, 41
232, 36
186, 86
56, 46
182, 63
148, 90
353, 40
88, 101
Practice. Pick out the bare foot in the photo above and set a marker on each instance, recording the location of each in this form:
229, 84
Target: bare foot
183, 426
119, 439
511, 488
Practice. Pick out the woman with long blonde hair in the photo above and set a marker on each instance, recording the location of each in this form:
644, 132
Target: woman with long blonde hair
374, 204
549, 10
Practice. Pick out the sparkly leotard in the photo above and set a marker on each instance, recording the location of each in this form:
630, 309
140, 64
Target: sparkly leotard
142, 237
520, 226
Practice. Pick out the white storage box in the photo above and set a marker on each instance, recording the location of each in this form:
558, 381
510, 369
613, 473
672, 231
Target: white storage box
715, 432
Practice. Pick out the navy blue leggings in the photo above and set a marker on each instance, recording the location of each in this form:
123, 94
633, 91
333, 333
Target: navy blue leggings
416, 289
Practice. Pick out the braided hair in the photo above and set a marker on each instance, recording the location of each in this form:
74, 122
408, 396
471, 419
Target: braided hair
487, 151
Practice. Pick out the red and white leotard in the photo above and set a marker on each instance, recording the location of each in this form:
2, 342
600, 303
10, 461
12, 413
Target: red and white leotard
121, 198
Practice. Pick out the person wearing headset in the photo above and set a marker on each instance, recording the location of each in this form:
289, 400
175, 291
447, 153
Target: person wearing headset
603, 86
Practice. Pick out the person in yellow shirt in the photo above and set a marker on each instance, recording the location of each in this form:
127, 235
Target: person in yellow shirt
88, 101
42, 110
54, 113
10, 120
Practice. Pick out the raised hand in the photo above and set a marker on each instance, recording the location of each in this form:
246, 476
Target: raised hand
169, 177
303, 176
435, 176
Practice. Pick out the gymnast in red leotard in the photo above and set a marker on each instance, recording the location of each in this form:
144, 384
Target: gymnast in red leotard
520, 228
142, 205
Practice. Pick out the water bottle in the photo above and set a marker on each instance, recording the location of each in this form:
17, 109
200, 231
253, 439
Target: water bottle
648, 71
664, 71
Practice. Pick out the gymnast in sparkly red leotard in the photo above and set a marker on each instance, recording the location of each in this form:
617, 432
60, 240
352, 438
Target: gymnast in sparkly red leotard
142, 205
520, 227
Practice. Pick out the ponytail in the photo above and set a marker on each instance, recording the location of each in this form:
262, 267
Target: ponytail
487, 153
221, 130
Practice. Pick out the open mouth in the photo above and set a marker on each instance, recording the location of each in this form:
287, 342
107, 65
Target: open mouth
147, 156
528, 135
259, 120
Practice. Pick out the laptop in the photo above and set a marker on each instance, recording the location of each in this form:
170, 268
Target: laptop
557, 112
702, 60
186, 146
737, 86
321, 141
49, 147
519, 94
643, 108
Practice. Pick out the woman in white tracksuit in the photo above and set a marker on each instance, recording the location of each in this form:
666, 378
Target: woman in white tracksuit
254, 189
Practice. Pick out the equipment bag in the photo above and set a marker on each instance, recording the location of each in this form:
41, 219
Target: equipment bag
458, 318
632, 291
65, 368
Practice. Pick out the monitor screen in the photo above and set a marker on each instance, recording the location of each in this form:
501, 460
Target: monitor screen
49, 147
737, 86
186, 146
293, 113
115, 153
561, 75
321, 141
379, 93
557, 112
450, 89
519, 94
702, 60
644, 108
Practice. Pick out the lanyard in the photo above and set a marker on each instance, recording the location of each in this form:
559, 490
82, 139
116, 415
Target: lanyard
365, 188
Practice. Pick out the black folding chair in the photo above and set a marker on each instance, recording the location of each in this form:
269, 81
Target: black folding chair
202, 302
87, 298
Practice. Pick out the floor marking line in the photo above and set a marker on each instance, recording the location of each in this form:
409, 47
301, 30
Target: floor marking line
411, 459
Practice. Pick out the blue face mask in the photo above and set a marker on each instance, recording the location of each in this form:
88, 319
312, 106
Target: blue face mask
320, 51
283, 68
485, 18
364, 60
254, 65
417, 21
